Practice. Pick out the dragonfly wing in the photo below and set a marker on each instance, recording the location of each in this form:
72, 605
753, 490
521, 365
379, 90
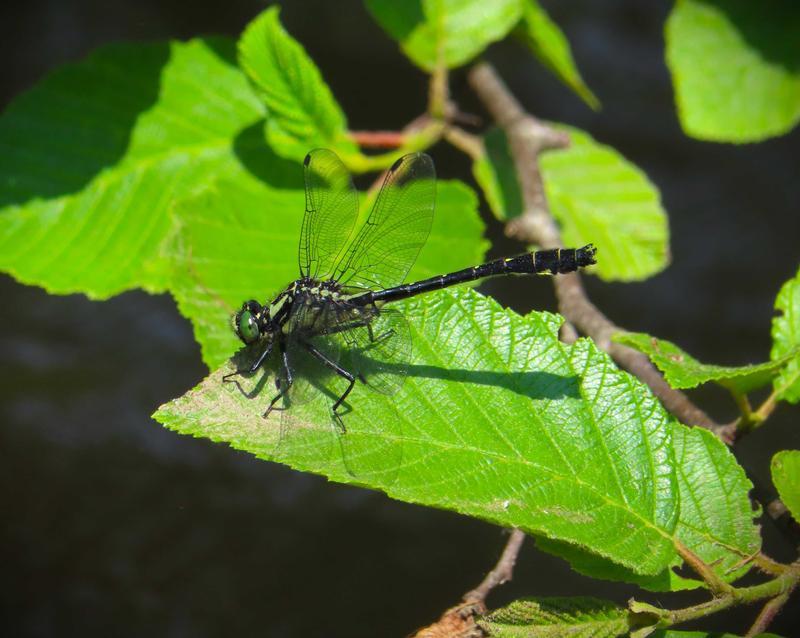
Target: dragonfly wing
388, 244
379, 350
331, 212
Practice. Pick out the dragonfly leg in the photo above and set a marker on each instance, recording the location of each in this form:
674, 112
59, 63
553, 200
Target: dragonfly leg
381, 337
252, 369
262, 357
338, 370
287, 371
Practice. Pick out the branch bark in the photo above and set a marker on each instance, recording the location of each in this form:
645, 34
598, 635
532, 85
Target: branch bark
502, 571
527, 138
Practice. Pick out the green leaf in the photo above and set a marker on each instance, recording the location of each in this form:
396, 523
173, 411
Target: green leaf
716, 517
549, 44
497, 419
785, 469
238, 241
671, 633
456, 30
550, 617
95, 153
599, 197
303, 114
497, 176
596, 195
682, 370
735, 65
786, 339
715, 520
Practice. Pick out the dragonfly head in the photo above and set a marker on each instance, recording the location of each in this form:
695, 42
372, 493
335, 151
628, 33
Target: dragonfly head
247, 322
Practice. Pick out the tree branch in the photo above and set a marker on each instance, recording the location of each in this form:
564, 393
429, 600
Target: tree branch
528, 137
460, 620
502, 571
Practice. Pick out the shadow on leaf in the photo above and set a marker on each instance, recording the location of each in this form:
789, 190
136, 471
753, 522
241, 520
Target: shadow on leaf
60, 150
257, 157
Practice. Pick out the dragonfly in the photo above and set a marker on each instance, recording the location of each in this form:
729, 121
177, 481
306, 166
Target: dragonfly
337, 317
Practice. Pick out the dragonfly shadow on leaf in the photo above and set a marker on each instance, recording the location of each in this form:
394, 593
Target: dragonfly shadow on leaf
533, 384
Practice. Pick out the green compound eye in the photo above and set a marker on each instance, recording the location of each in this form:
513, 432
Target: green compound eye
247, 327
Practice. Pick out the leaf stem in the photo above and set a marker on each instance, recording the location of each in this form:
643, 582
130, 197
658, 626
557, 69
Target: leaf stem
768, 613
378, 139
779, 586
743, 403
771, 402
420, 134
766, 408
438, 90
471, 145
776, 590
717, 586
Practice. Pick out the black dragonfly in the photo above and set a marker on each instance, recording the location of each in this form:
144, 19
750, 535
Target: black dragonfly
334, 319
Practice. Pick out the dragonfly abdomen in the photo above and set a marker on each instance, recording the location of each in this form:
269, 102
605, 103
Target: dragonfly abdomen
554, 261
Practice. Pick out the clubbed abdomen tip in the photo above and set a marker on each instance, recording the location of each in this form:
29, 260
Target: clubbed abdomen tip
586, 255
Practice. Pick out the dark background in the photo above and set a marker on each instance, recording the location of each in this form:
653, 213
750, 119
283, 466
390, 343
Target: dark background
113, 526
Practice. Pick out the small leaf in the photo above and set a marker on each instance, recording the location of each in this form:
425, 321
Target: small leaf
786, 477
303, 114
682, 370
497, 419
715, 520
548, 43
736, 68
546, 617
497, 176
599, 197
239, 241
786, 339
671, 633
456, 30
596, 195
95, 153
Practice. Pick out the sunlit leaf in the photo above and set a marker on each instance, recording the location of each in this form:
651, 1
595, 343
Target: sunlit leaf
671, 633
549, 44
95, 153
786, 339
735, 65
786, 477
595, 194
682, 370
550, 617
715, 520
497, 419
303, 113
455, 30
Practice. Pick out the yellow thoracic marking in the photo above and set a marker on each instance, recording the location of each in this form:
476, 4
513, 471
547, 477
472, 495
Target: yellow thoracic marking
278, 304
